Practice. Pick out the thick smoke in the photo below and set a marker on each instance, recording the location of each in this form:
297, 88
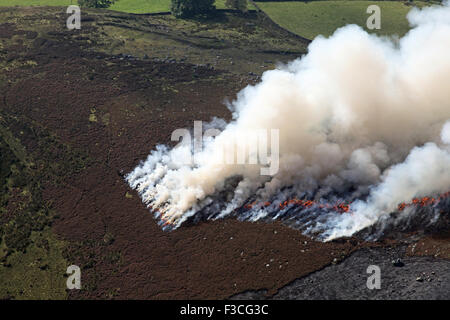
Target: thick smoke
446, 133
425, 171
359, 117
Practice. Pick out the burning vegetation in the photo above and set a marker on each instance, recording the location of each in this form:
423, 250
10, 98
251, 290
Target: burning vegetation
364, 132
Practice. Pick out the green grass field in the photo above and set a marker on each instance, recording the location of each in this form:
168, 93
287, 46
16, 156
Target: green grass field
307, 19
131, 6
12, 3
310, 19
141, 6
146, 6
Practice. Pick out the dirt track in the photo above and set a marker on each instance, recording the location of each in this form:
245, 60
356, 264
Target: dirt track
85, 115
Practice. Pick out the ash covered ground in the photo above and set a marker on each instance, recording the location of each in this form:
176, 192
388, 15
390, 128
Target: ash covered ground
79, 109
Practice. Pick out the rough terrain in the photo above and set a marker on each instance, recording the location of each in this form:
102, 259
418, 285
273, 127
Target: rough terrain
78, 109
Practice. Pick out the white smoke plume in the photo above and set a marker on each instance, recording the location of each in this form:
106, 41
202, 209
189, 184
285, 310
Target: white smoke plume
446, 133
359, 117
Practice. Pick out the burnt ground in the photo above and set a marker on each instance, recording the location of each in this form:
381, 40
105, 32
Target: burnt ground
80, 108
413, 278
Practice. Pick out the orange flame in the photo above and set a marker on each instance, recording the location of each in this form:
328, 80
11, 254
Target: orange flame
344, 207
341, 207
423, 202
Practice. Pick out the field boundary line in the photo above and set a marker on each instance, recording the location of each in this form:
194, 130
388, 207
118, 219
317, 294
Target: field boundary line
266, 17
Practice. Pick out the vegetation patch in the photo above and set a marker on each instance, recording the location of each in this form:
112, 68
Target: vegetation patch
130, 6
31, 261
310, 19
36, 273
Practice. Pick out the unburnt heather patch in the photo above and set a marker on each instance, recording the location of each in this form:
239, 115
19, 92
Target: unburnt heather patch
240, 43
7, 165
431, 245
77, 110
31, 262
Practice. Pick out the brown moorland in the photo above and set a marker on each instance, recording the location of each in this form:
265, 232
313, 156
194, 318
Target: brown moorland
78, 109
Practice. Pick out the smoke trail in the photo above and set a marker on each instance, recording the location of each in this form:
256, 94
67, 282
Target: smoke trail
359, 117
425, 171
